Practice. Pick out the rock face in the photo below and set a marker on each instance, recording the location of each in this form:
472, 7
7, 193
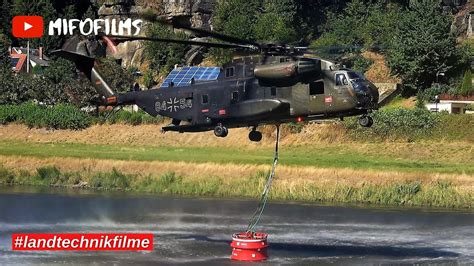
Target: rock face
462, 24
131, 53
196, 13
199, 12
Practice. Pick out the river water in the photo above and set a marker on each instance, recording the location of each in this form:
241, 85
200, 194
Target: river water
198, 231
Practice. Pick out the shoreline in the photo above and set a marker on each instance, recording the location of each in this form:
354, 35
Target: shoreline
437, 195
76, 191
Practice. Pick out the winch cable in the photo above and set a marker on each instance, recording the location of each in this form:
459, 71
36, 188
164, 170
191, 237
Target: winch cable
254, 220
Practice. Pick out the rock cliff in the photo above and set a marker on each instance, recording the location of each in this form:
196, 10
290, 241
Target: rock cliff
196, 13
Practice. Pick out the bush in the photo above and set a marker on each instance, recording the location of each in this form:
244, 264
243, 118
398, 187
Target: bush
429, 94
65, 116
57, 85
61, 116
48, 174
6, 176
169, 178
395, 124
7, 114
111, 180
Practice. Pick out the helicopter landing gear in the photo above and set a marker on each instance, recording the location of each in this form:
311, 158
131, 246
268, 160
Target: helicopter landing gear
366, 121
255, 135
221, 131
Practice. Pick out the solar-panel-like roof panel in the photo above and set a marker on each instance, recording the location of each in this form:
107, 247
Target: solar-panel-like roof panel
183, 76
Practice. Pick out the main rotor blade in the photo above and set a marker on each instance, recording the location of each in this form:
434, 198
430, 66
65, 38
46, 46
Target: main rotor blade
337, 49
205, 33
219, 36
190, 42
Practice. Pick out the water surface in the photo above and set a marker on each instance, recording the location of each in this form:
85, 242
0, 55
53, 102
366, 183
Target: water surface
198, 231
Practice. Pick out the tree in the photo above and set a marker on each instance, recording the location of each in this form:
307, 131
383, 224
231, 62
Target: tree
275, 24
361, 24
422, 44
164, 56
237, 17
21, 7
64, 85
148, 80
466, 86
6, 18
234, 18
42, 8
6, 74
379, 26
4, 53
346, 28
69, 12
311, 15
256, 20
117, 77
90, 13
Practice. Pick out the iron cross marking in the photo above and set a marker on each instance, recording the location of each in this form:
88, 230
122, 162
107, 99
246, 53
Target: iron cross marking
173, 105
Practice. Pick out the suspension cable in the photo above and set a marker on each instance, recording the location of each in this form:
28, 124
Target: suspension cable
266, 191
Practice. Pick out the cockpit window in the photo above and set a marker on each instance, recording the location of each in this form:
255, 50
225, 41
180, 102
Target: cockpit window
354, 75
341, 80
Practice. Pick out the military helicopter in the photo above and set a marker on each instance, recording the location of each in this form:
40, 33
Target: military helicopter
273, 84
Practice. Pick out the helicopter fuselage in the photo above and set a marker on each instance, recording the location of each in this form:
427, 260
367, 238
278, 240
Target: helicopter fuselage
248, 92
239, 99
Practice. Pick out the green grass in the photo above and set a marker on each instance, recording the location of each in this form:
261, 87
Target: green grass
376, 156
455, 127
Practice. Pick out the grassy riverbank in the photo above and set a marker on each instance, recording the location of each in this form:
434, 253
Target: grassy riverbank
381, 156
319, 164
440, 193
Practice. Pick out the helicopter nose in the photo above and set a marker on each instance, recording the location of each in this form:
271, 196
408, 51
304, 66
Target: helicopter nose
375, 97
368, 97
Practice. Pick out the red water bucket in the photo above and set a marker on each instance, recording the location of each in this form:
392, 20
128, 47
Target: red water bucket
249, 246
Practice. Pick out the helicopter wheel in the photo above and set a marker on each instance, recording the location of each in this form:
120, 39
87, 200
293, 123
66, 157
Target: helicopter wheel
255, 136
221, 131
366, 121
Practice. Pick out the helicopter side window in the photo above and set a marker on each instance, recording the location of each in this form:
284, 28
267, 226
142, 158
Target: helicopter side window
249, 71
235, 96
316, 88
229, 72
341, 80
205, 99
273, 91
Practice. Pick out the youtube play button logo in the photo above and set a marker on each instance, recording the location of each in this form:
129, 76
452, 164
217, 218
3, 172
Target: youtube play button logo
28, 27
